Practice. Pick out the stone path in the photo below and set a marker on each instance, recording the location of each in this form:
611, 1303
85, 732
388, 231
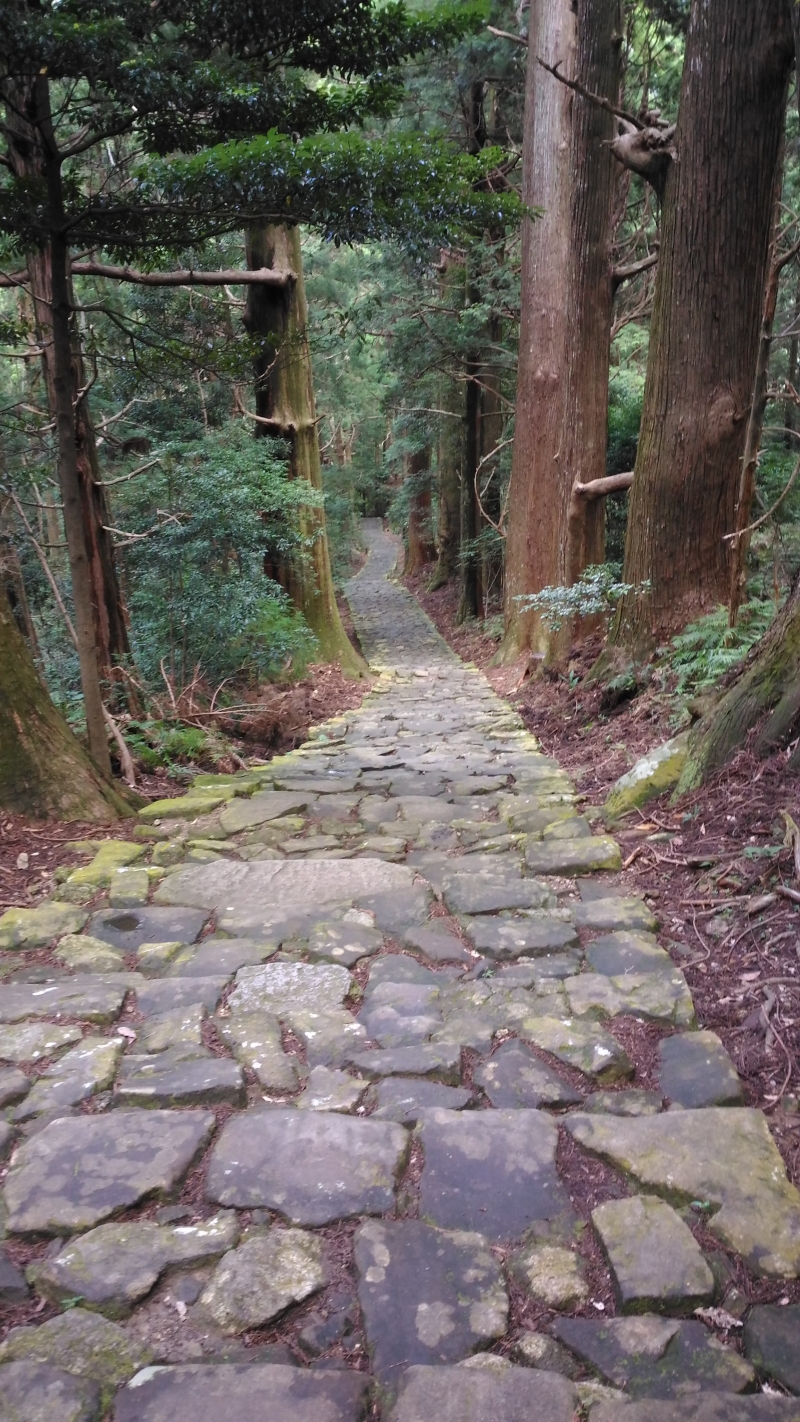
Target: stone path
290, 1084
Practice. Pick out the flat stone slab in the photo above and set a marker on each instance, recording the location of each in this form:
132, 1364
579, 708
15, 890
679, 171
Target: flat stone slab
513, 1078
127, 929
427, 1296
81, 1343
34, 1392
504, 939
327, 1090
279, 988
114, 1266
550, 1274
625, 952
257, 1281
624, 1103
702, 1407
89, 955
477, 891
438, 945
175, 1078
655, 1357
255, 1039
579, 1043
466, 1394
78, 1171
426, 1059
403, 1099
695, 1070
490, 1171
243, 1391
772, 1342
265, 805
659, 997
252, 896
33, 928
312, 1168
573, 856
656, 1263
615, 913
87, 1068
721, 1155
171, 994
31, 1041
91, 998
221, 955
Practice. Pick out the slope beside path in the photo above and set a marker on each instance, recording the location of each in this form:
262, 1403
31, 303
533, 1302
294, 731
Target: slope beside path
355, 1086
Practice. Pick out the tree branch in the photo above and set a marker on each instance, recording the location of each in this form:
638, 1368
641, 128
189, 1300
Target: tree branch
598, 488
621, 274
592, 97
262, 276
507, 34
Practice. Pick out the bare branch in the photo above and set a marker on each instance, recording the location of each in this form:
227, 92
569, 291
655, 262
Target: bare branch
507, 34
590, 95
599, 488
262, 276
622, 274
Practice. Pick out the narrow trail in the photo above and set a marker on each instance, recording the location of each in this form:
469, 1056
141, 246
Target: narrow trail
324, 1101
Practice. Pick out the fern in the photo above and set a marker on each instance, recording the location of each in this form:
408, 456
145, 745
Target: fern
705, 650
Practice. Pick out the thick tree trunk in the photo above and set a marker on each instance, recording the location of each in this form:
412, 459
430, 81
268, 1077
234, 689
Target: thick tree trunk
44, 771
420, 545
284, 389
12, 584
767, 689
708, 302
450, 445
471, 599
562, 381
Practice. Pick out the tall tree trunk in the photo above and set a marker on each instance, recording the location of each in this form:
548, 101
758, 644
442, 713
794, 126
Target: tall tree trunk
707, 313
44, 771
471, 599
562, 381
450, 444
284, 388
421, 547
12, 583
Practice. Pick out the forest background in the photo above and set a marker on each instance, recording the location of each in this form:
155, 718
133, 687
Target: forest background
535, 278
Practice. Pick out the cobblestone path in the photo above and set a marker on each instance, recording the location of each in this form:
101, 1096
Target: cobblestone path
300, 1114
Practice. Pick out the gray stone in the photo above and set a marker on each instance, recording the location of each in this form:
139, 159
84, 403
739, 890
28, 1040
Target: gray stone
403, 1099
128, 888
327, 1090
34, 1392
82, 1344
114, 1266
279, 988
78, 1171
205, 1394
479, 891
656, 1263
772, 1343
398, 968
32, 1041
550, 1275
722, 1156
35, 927
514, 1078
581, 1044
173, 994
615, 913
221, 955
536, 1350
618, 953
491, 1171
311, 1168
13, 1288
257, 1281
255, 1039
91, 998
459, 1394
438, 944
695, 1070
173, 1077
624, 1103
441, 1061
426, 1296
128, 929
344, 943
397, 910
329, 1037
657, 996
701, 1407
79, 1074
266, 805
88, 954
503, 939
655, 1357
573, 856
14, 1084
181, 1027
654, 773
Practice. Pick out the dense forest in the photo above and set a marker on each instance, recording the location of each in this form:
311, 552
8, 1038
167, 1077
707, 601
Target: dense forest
523, 280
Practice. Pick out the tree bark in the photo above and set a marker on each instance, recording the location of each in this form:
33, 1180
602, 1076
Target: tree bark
707, 313
284, 394
450, 445
44, 771
562, 380
421, 548
471, 599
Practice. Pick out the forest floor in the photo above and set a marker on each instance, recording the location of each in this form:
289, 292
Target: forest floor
713, 865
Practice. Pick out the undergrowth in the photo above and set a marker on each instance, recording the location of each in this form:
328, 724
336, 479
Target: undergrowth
705, 650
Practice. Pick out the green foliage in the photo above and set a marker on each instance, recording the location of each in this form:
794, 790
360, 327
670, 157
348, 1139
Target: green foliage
705, 650
157, 743
203, 525
596, 592
625, 392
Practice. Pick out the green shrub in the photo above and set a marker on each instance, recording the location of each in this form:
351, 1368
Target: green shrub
596, 591
705, 650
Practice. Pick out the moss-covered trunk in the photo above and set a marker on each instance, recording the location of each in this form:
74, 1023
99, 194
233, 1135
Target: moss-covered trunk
284, 386
44, 771
766, 690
